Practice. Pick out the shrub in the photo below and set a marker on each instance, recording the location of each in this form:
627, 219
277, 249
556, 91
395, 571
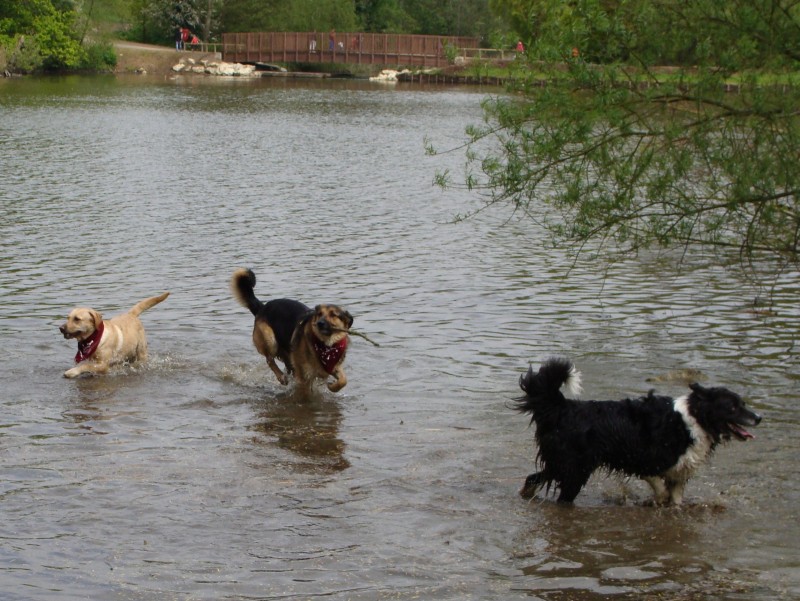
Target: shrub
99, 56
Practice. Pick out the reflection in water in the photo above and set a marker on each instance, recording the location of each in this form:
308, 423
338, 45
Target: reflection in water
625, 553
308, 427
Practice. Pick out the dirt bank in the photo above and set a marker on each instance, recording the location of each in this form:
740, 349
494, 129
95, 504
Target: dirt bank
133, 57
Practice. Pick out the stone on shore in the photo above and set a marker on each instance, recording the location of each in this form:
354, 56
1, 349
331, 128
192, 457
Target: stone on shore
215, 68
388, 75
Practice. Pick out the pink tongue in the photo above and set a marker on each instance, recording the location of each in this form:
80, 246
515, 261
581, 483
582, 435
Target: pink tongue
742, 432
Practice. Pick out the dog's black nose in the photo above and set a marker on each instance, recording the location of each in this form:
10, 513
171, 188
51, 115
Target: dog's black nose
62, 329
757, 418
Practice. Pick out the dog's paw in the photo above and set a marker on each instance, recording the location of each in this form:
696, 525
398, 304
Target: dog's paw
656, 501
283, 379
336, 385
532, 484
72, 373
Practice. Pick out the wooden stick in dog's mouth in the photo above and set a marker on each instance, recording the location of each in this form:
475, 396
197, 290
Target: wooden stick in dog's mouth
354, 333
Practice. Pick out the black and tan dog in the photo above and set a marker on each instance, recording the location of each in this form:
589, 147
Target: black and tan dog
311, 343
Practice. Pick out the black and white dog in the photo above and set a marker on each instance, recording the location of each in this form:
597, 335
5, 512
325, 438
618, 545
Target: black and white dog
657, 438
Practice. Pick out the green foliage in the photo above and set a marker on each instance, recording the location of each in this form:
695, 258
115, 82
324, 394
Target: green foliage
434, 17
156, 21
99, 56
621, 155
58, 43
112, 14
22, 54
729, 35
450, 53
386, 16
39, 34
302, 15
42, 35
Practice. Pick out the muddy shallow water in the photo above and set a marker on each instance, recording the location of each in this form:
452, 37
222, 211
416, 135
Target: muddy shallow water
197, 476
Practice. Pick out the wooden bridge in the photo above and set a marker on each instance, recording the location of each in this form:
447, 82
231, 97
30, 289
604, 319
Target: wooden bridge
390, 49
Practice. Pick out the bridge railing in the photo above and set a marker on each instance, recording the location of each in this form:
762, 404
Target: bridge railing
343, 47
488, 54
206, 47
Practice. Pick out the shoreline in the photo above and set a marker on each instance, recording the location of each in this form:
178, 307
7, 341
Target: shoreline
135, 58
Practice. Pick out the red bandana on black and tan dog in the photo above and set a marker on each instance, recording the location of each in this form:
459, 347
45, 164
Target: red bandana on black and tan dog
329, 356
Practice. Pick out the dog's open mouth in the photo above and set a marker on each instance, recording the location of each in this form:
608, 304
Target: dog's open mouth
739, 432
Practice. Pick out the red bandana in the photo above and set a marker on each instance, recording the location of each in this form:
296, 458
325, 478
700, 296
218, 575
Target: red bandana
87, 347
329, 356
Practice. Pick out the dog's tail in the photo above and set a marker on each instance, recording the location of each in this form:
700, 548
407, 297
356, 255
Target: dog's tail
242, 283
543, 388
147, 303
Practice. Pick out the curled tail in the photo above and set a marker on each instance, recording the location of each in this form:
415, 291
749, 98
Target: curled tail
242, 283
542, 389
147, 303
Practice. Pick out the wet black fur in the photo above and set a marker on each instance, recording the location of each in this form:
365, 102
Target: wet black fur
283, 315
641, 437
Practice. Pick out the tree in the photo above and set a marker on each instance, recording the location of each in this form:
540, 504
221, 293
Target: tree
435, 17
40, 34
636, 155
157, 20
385, 16
278, 15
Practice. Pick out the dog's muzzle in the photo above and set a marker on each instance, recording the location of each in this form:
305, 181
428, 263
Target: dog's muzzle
750, 418
324, 327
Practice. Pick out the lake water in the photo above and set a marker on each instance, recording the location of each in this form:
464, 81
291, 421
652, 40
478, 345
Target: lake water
197, 476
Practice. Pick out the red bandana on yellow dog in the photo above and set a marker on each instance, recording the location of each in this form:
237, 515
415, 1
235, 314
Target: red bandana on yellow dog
86, 348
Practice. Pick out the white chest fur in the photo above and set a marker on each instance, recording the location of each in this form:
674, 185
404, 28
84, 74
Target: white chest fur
698, 449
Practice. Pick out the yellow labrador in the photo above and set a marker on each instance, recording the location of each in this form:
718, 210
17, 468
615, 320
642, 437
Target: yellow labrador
102, 343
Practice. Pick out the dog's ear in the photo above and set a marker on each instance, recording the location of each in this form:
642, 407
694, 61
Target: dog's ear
699, 390
97, 318
347, 318
307, 317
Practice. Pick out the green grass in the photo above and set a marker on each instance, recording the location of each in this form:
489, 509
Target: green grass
106, 16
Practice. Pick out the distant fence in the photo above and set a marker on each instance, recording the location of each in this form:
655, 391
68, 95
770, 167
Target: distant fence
493, 55
206, 47
343, 47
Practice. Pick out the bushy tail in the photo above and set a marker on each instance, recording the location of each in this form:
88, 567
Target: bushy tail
242, 283
542, 389
147, 303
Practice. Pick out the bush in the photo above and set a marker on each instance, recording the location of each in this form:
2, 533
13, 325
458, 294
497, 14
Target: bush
59, 47
22, 54
100, 56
